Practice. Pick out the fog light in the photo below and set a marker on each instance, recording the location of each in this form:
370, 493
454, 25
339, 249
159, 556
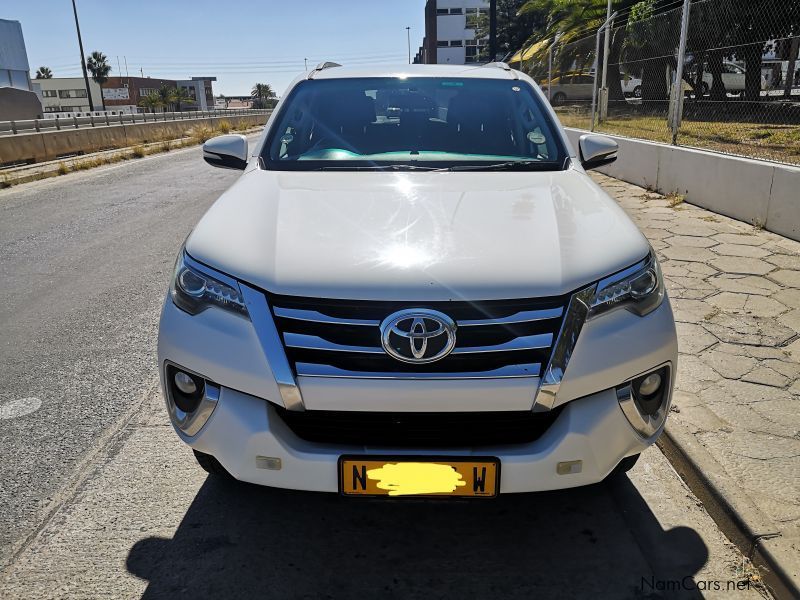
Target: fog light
645, 401
185, 383
650, 384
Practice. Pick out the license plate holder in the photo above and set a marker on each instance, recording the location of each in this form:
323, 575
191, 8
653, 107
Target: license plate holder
419, 476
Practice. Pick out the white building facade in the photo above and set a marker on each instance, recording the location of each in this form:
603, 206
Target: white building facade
67, 95
456, 21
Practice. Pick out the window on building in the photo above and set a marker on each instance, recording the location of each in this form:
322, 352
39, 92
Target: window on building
49, 93
52, 109
72, 93
456, 43
456, 11
472, 18
441, 11
442, 43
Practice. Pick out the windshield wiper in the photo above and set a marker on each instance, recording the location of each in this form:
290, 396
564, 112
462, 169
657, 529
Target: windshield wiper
379, 168
511, 165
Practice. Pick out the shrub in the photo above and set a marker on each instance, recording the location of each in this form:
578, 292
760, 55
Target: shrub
62, 169
224, 126
138, 151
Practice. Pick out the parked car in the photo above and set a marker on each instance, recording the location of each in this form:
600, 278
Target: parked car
415, 289
631, 86
733, 78
570, 87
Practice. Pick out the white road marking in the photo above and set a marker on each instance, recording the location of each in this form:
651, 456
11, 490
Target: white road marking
20, 407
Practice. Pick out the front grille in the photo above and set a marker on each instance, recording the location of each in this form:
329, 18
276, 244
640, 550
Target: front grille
341, 338
426, 430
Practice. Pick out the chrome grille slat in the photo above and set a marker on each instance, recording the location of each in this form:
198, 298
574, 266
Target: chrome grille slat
318, 317
313, 342
342, 338
509, 371
530, 342
525, 316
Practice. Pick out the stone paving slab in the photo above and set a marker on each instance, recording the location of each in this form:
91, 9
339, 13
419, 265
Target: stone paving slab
735, 291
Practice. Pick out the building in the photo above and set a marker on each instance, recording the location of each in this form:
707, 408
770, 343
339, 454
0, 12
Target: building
125, 93
14, 67
450, 31
17, 100
199, 89
67, 95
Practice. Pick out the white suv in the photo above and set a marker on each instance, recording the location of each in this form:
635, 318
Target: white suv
414, 288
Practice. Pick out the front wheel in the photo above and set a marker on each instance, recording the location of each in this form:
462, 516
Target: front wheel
211, 465
637, 91
559, 98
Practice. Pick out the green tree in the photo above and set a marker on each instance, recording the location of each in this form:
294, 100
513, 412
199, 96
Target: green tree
168, 96
182, 97
99, 68
44, 73
152, 101
514, 28
262, 93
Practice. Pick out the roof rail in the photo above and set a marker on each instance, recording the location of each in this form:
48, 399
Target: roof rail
501, 65
321, 67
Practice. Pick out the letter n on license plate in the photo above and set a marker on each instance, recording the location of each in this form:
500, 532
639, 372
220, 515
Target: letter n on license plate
419, 476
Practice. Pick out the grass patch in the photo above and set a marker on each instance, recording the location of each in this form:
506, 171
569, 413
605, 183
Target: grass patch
755, 140
224, 126
674, 200
138, 151
62, 169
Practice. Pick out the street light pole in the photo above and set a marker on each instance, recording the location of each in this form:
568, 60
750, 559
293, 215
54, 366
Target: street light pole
83, 59
408, 36
305, 60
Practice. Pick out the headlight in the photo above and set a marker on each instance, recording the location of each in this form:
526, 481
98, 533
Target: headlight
639, 288
196, 287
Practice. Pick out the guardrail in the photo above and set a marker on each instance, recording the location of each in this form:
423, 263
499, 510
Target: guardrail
57, 124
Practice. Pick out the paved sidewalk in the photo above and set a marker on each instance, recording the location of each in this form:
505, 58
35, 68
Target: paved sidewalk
735, 291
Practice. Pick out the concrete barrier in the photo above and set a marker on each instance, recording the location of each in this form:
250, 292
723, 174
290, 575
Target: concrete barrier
755, 191
52, 145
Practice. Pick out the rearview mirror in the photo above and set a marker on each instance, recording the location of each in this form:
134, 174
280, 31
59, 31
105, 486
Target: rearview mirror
226, 151
597, 150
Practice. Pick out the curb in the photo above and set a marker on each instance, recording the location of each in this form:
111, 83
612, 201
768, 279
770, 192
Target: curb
734, 512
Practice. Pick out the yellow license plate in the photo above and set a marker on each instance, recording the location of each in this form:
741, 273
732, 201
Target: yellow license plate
419, 476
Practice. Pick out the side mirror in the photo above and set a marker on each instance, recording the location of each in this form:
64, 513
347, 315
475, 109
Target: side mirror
597, 150
226, 151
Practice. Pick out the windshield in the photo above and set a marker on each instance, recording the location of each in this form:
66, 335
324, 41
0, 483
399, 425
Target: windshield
413, 123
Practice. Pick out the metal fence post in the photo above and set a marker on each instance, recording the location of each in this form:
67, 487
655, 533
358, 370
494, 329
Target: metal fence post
75, 121
596, 65
678, 85
14, 127
58, 124
36, 124
91, 119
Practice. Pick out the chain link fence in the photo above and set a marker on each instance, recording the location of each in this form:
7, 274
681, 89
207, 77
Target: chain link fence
739, 89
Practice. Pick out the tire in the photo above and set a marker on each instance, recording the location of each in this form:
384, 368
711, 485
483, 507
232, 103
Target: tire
211, 465
704, 89
559, 99
637, 91
625, 465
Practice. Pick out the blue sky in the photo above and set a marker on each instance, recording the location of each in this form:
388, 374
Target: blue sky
240, 43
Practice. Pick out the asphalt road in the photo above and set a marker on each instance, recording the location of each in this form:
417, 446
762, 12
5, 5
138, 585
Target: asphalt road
85, 261
100, 499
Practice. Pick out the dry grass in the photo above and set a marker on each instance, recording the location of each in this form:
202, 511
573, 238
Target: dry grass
755, 140
674, 200
163, 143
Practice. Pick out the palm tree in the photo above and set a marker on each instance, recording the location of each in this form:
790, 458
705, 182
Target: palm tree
182, 96
262, 92
152, 101
168, 96
98, 65
44, 73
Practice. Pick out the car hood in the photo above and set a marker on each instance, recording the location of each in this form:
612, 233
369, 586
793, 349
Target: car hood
416, 235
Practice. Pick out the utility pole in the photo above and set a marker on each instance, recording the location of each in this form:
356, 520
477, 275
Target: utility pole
408, 36
493, 29
83, 59
305, 61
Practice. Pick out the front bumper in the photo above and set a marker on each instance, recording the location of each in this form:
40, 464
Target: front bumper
245, 432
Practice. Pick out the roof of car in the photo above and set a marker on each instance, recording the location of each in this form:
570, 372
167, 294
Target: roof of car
472, 71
